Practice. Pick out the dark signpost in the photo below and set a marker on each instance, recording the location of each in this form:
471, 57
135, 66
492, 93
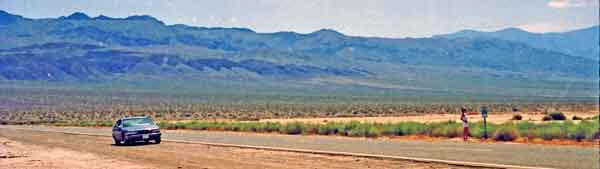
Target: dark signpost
484, 114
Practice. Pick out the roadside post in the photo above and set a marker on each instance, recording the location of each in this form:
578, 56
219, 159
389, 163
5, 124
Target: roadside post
484, 114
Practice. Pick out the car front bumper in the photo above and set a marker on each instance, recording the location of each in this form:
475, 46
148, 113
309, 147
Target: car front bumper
140, 137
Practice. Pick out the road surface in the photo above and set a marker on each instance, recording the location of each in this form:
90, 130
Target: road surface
547, 156
35, 149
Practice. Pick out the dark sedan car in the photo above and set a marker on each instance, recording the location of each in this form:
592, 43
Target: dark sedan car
132, 129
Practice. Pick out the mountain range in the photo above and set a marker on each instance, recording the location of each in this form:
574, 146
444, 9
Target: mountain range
583, 42
79, 49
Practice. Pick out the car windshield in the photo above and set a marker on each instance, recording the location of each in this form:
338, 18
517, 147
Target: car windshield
137, 121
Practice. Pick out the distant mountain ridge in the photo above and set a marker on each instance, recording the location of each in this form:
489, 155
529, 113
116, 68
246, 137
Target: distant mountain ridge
82, 48
581, 42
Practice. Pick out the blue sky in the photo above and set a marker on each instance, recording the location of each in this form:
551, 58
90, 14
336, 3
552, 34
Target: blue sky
383, 18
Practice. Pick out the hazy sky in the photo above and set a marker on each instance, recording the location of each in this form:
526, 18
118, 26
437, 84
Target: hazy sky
384, 18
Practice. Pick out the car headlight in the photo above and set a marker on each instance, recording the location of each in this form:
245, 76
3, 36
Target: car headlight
155, 131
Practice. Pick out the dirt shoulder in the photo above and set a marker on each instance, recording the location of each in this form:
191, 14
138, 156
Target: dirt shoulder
34, 149
15, 154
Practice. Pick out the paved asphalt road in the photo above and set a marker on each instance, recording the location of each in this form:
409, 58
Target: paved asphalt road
507, 154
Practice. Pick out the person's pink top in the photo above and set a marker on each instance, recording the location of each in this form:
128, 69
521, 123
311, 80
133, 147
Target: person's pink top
464, 120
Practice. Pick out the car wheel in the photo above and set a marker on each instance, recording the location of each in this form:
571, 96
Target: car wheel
117, 142
157, 141
124, 140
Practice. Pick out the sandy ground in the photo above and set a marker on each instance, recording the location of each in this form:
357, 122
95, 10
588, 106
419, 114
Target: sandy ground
473, 117
15, 154
32, 149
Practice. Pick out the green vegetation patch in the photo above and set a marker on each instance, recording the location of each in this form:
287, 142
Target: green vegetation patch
585, 129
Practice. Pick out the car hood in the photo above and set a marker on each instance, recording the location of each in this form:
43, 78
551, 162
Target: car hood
140, 127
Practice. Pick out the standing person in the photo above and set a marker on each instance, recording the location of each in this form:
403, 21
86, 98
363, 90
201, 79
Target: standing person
463, 118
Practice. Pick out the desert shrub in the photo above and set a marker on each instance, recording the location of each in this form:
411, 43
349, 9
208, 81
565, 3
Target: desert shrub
517, 117
526, 129
345, 128
240, 126
413, 128
91, 124
477, 130
391, 130
272, 127
87, 123
549, 131
547, 118
248, 127
557, 116
106, 123
228, 126
446, 129
328, 128
593, 118
507, 132
577, 118
372, 132
368, 130
584, 130
292, 128
355, 132
578, 133
196, 125
310, 128
246, 118
180, 125
166, 125
404, 128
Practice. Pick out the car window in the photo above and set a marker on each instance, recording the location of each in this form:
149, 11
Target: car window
117, 123
137, 121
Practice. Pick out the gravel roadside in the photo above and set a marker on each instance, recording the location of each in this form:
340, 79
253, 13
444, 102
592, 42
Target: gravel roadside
54, 150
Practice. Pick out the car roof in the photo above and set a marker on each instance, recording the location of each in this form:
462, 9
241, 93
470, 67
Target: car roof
135, 117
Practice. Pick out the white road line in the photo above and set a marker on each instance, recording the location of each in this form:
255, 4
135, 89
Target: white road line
308, 151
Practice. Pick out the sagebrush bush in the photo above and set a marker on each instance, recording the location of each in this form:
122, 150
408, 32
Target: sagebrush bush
526, 129
577, 118
329, 128
272, 127
549, 132
557, 116
547, 118
292, 128
391, 130
413, 128
507, 132
94, 124
585, 129
405, 128
180, 125
372, 132
517, 117
166, 125
364, 131
476, 130
446, 129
